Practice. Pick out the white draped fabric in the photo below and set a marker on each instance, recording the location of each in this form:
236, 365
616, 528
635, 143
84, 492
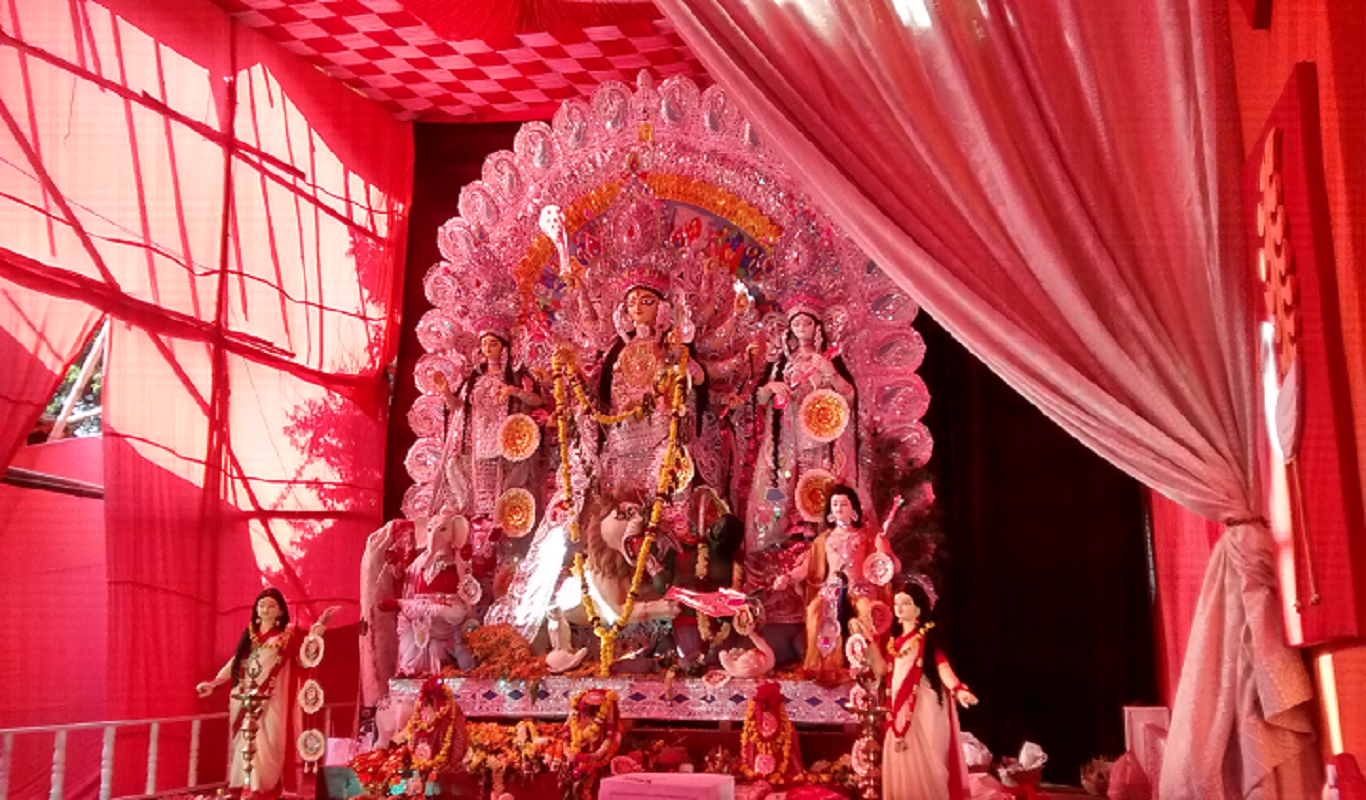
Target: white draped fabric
1057, 183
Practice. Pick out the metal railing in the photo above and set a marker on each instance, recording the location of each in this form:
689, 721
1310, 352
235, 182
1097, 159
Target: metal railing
59, 733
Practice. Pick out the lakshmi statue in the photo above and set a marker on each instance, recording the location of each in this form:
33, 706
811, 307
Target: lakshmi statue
922, 758
479, 410
838, 577
809, 426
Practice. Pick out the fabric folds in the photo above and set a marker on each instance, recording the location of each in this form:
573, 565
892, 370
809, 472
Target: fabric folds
1057, 184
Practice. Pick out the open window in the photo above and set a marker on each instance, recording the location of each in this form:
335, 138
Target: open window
76, 407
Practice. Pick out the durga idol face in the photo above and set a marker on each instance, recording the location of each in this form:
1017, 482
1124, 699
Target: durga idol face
642, 305
803, 326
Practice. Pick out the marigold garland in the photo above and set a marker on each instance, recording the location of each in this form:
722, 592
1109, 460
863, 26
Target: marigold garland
581, 732
501, 652
782, 742
674, 384
277, 641
525, 748
427, 765
911, 643
387, 767
563, 363
637, 411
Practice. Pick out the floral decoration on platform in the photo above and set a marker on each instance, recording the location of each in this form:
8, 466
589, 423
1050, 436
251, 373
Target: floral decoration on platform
502, 653
768, 749
431, 744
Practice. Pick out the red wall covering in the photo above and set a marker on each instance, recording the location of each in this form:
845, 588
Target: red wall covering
53, 579
242, 218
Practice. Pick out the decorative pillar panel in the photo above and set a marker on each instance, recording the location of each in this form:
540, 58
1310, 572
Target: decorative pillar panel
1314, 487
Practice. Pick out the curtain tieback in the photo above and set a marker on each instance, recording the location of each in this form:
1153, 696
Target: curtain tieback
1257, 520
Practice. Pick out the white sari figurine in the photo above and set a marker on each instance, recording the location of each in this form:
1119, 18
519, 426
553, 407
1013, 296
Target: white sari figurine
922, 756
263, 696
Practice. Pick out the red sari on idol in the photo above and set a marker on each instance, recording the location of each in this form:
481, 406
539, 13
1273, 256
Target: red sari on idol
922, 757
262, 713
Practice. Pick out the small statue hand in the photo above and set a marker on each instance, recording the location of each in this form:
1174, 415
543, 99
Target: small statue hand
964, 696
205, 688
665, 609
320, 626
506, 392
741, 303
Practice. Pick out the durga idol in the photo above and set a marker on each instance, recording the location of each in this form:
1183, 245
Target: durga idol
636, 381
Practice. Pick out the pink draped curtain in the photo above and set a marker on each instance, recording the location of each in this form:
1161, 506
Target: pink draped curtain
1056, 183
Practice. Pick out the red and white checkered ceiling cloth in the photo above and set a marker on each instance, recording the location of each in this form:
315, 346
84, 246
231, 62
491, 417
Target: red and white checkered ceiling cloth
386, 52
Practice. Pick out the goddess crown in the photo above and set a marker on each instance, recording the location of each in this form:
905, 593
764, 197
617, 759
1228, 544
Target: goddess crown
646, 276
923, 581
802, 301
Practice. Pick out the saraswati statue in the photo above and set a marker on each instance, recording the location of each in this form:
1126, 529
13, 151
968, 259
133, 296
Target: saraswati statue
689, 337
